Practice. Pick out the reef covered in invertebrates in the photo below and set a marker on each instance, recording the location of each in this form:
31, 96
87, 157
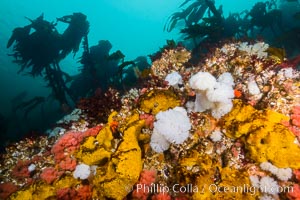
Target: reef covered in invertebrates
227, 127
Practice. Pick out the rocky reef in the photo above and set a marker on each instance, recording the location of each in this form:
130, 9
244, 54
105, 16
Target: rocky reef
243, 135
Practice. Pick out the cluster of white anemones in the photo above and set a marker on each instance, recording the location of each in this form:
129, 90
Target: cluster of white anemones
213, 94
173, 125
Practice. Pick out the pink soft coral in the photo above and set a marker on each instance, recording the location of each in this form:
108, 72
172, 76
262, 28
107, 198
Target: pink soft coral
297, 174
149, 120
294, 123
21, 171
6, 189
147, 177
50, 174
139, 195
295, 119
93, 131
68, 144
294, 194
68, 164
84, 192
296, 116
65, 147
65, 193
161, 196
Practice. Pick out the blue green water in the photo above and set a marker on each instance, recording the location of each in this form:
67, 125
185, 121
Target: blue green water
133, 26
